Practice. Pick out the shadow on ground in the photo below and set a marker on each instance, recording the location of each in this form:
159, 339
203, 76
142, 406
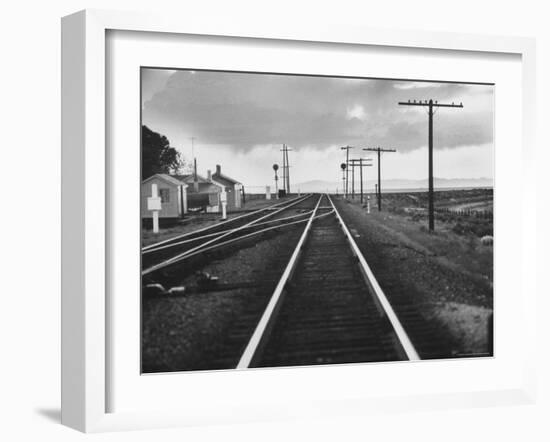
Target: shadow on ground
51, 414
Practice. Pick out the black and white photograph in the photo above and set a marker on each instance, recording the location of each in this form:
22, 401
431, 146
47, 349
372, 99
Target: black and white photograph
301, 220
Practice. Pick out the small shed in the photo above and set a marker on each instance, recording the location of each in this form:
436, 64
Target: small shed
202, 193
172, 192
233, 188
206, 197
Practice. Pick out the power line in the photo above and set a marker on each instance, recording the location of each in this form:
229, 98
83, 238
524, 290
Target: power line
430, 104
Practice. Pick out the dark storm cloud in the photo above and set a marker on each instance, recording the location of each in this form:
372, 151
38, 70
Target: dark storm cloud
244, 110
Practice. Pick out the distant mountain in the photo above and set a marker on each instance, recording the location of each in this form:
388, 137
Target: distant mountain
393, 185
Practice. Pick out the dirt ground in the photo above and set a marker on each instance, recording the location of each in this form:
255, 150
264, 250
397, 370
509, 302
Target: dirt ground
450, 274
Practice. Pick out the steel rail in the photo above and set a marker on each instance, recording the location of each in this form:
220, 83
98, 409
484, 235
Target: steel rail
224, 222
181, 256
259, 332
402, 335
210, 235
249, 235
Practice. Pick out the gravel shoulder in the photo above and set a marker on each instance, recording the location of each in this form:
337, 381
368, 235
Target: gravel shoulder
190, 332
449, 276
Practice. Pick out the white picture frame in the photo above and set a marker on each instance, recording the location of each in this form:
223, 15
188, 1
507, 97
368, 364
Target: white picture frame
85, 351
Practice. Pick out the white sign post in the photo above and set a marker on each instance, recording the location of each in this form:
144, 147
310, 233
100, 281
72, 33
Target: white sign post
223, 199
154, 204
267, 193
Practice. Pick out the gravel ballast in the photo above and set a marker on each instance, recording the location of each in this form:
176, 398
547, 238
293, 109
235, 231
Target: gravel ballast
436, 269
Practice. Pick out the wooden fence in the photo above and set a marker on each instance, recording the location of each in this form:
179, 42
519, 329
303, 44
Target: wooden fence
467, 212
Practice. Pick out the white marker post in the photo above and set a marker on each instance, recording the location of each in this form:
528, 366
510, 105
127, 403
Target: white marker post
267, 192
154, 204
368, 203
223, 199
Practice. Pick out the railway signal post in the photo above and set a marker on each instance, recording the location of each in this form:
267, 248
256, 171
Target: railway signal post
430, 104
276, 168
343, 166
379, 150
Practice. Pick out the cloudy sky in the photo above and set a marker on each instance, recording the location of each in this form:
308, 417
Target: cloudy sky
240, 121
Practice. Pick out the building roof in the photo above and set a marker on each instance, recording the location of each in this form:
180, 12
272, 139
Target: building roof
189, 178
204, 188
167, 178
224, 179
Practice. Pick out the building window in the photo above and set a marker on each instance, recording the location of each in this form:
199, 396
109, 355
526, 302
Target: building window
164, 195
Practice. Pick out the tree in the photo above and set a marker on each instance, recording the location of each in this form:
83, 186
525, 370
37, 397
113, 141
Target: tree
157, 156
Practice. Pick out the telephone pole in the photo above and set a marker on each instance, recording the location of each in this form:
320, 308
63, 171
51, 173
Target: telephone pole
286, 167
358, 163
430, 104
347, 148
193, 156
287, 170
352, 180
379, 150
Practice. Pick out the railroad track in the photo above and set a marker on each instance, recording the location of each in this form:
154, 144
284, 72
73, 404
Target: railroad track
326, 307
430, 341
319, 303
169, 252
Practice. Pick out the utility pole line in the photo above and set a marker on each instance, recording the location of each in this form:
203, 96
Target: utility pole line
359, 163
379, 150
430, 104
347, 148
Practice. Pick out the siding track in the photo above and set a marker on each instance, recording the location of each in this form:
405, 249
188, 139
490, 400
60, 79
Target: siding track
167, 253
